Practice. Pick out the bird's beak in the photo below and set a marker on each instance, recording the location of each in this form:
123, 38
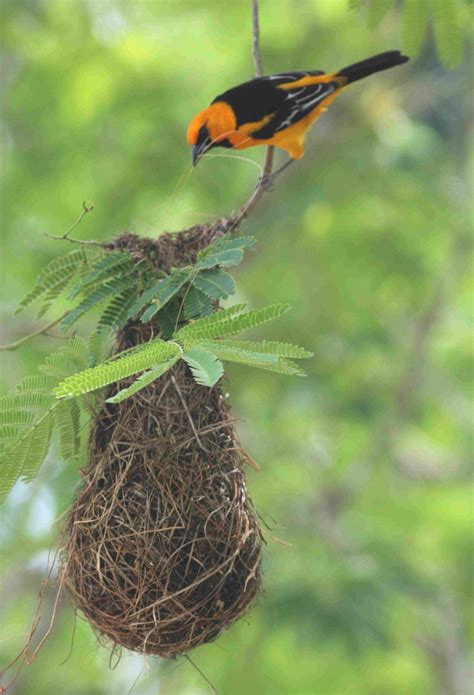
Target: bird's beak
195, 154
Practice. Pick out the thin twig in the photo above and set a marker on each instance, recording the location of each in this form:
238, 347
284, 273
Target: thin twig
257, 57
202, 674
65, 237
40, 331
267, 167
178, 390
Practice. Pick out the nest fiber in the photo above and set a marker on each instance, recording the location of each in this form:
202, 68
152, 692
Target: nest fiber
162, 546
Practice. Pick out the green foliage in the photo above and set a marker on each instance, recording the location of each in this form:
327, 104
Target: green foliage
376, 11
163, 291
139, 360
54, 278
27, 416
206, 368
105, 268
98, 346
106, 290
196, 304
414, 27
449, 30
67, 421
216, 284
238, 351
146, 378
269, 347
219, 325
197, 286
225, 251
193, 343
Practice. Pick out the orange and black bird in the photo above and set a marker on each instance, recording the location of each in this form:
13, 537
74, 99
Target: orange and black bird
278, 109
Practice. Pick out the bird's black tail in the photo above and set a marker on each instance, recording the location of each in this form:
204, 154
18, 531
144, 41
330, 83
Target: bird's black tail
382, 61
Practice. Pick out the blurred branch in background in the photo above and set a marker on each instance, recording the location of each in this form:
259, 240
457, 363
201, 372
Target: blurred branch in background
445, 648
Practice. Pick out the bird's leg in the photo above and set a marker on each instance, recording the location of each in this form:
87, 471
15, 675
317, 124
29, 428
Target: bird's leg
268, 180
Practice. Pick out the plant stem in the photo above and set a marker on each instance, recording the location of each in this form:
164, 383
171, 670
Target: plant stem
15, 345
65, 237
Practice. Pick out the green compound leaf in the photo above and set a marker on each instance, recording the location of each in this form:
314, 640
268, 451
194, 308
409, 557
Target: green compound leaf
216, 283
55, 277
227, 243
143, 358
108, 289
207, 328
98, 346
143, 380
225, 258
116, 313
103, 269
271, 362
196, 304
26, 455
72, 356
67, 420
206, 368
264, 347
160, 293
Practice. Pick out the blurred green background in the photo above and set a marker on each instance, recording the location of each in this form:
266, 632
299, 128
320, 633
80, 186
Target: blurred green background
365, 465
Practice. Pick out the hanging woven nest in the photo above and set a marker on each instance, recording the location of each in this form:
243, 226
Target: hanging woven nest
162, 545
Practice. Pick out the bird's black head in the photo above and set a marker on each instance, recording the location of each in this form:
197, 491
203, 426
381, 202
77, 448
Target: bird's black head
203, 144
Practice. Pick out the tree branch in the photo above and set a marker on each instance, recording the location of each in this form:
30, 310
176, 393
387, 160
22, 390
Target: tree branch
15, 345
268, 164
65, 237
257, 57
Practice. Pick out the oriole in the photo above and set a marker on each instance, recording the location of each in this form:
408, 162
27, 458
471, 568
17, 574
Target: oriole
278, 109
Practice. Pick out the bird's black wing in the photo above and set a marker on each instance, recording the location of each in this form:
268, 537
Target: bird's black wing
253, 101
298, 103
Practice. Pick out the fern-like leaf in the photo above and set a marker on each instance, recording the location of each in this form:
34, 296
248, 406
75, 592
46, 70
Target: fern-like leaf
100, 294
143, 380
103, 269
216, 317
67, 419
227, 243
224, 258
250, 358
206, 368
24, 400
54, 292
196, 303
204, 329
25, 456
115, 315
264, 347
36, 383
98, 346
148, 356
56, 274
216, 283
162, 291
70, 357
